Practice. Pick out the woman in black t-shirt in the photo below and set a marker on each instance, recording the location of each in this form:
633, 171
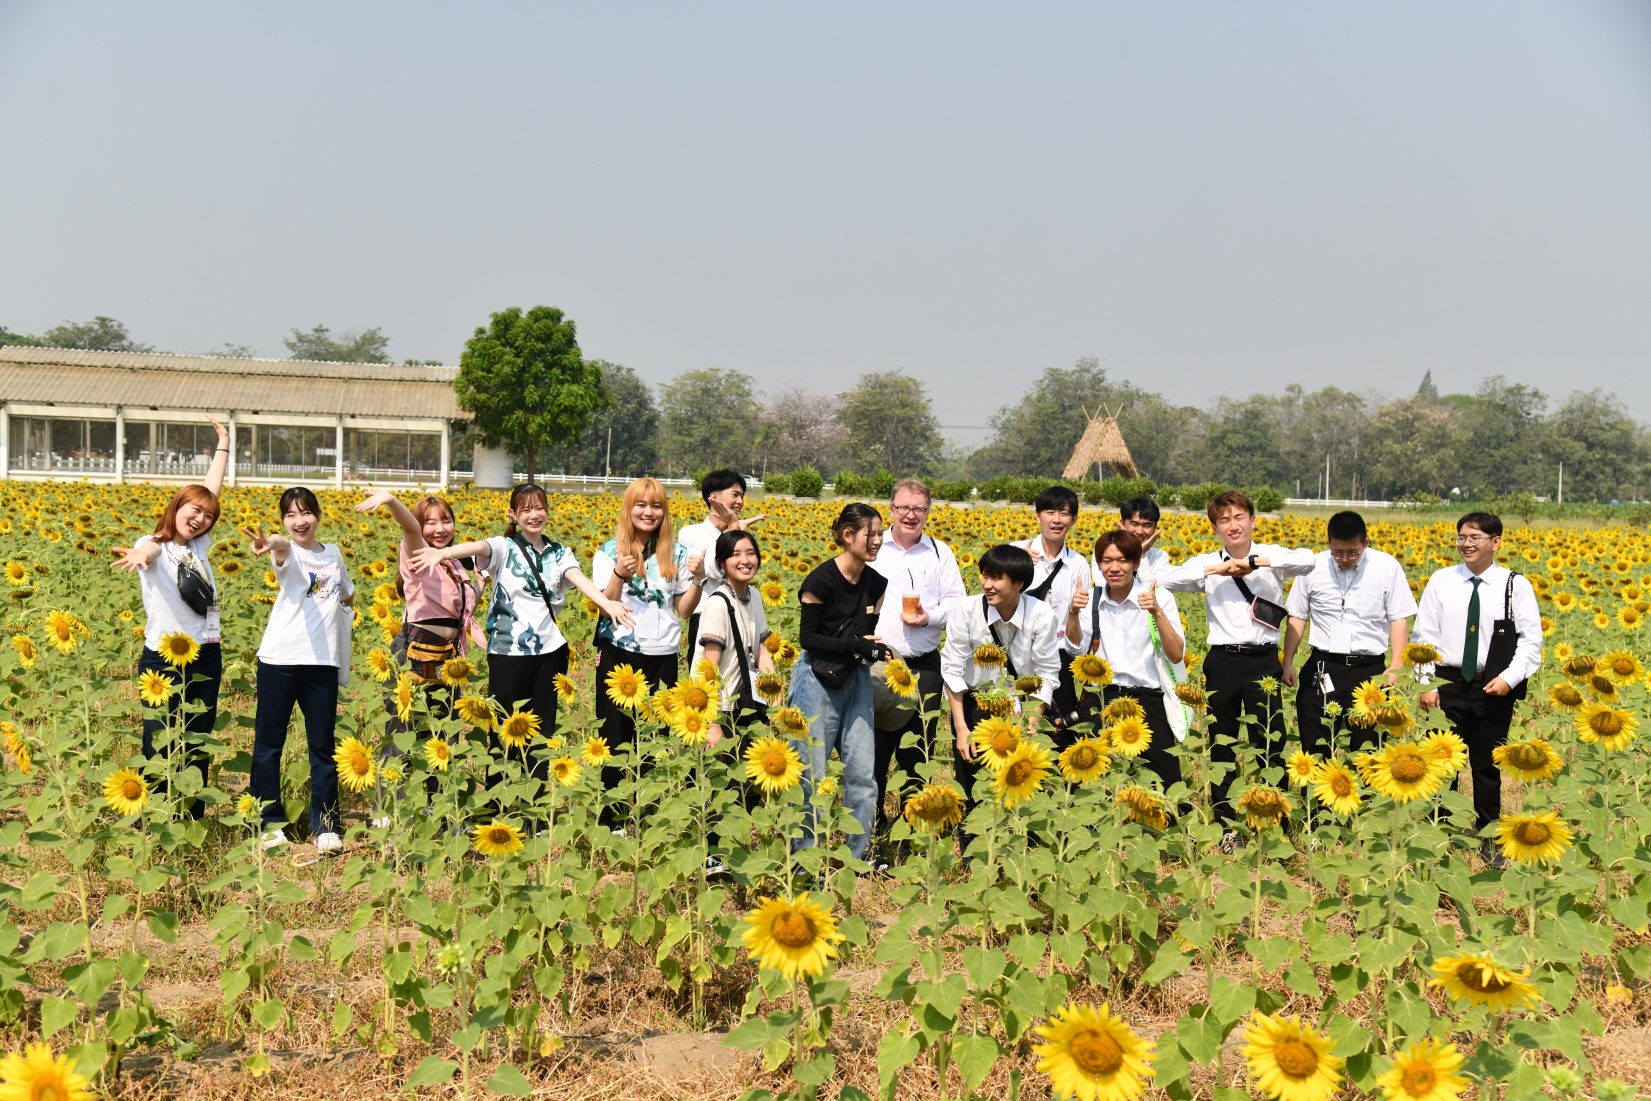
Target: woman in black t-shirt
840, 601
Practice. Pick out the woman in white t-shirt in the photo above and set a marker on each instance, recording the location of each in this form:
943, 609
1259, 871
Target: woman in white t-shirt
180, 606
531, 575
303, 660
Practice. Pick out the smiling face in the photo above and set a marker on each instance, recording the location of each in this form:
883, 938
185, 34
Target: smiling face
1477, 549
864, 543
530, 514
1000, 590
1234, 525
742, 565
727, 502
1143, 529
911, 512
1118, 570
300, 524
194, 519
438, 527
1055, 523
647, 513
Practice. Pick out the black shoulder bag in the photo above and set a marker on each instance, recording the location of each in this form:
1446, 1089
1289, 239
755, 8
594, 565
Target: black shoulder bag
1262, 610
1041, 590
193, 586
748, 704
1504, 640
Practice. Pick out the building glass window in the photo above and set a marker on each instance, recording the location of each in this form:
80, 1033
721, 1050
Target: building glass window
376, 455
165, 449
75, 446
296, 451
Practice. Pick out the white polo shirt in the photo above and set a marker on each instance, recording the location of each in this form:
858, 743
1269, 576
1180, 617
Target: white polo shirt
1227, 609
1348, 611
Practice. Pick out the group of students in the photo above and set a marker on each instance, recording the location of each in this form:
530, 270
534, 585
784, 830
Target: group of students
1043, 604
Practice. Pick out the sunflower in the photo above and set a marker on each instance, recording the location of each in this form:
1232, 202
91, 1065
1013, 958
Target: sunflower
438, 754
698, 694
595, 752
1143, 806
795, 938
456, 672
1021, 777
773, 593
1289, 1060
60, 632
565, 771
1335, 786
899, 679
626, 687
404, 697
1447, 751
935, 809
1301, 768
35, 1075
1622, 667
179, 649
355, 764
1630, 618
1124, 707
126, 791
1580, 667
154, 688
566, 691
1029, 685
790, 720
1091, 671
1130, 737
26, 653
1566, 696
1425, 1071
1601, 620
496, 839
475, 710
16, 573
1611, 727
25, 760
773, 765
1192, 695
1368, 698
1420, 653
1528, 761
787, 655
246, 806
990, 656
995, 740
1477, 980
770, 688
1533, 838
1602, 686
517, 728
772, 644
1402, 772
1093, 1055
1562, 651
1085, 760
381, 665
1264, 807
693, 727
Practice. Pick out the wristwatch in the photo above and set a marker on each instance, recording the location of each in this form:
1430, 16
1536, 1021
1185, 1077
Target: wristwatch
1252, 561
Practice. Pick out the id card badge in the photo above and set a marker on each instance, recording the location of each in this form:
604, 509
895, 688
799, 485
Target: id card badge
1017, 706
1326, 685
214, 625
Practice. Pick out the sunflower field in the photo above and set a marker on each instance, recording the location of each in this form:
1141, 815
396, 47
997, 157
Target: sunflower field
481, 935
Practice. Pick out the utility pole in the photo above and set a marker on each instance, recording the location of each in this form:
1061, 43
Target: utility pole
1562, 483
607, 467
1327, 475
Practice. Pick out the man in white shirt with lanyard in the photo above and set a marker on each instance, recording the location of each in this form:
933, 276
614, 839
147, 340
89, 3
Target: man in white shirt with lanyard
723, 492
1358, 604
1058, 573
1243, 587
1484, 621
1139, 516
924, 581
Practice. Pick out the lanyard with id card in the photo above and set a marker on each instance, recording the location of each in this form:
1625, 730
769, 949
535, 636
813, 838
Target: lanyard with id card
214, 626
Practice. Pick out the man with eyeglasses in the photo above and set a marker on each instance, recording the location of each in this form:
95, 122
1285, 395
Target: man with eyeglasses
924, 582
1484, 621
1358, 604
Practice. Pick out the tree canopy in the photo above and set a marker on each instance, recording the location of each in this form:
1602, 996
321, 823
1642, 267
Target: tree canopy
890, 425
366, 346
708, 419
633, 419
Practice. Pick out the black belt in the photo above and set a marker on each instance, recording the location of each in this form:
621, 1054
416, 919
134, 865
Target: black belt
1345, 659
1132, 690
1246, 648
1454, 672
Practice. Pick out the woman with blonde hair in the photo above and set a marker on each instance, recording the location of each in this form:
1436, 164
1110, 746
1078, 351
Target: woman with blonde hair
645, 569
180, 605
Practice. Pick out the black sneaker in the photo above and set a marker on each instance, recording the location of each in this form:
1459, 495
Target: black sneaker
881, 868
1492, 856
1229, 842
715, 868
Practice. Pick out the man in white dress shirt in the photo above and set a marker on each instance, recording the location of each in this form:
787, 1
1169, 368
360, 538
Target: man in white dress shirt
1139, 516
723, 492
1022, 626
1484, 621
1243, 587
1058, 574
1357, 602
924, 582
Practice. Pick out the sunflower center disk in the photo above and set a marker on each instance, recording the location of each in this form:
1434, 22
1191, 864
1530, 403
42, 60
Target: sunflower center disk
774, 763
1606, 724
1097, 1054
794, 930
1527, 757
1484, 982
1004, 741
1409, 768
1085, 757
1419, 1080
1341, 785
1296, 1059
1533, 834
1018, 773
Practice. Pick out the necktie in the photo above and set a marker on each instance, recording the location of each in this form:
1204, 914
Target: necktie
1470, 643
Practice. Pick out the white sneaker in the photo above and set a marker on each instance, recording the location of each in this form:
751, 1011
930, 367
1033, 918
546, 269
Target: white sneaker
620, 832
274, 839
381, 823
328, 842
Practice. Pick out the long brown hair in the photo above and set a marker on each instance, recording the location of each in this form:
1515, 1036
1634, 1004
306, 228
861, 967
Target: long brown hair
421, 512
630, 540
167, 529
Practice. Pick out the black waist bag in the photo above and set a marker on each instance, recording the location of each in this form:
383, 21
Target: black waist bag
194, 588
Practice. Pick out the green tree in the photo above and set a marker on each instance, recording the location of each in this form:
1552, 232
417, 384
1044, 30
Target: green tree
22, 340
1409, 449
367, 346
1600, 445
633, 419
101, 334
708, 418
1241, 442
890, 424
1500, 445
1035, 437
525, 385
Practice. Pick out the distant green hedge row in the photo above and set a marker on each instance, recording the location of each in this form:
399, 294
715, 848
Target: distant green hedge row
808, 482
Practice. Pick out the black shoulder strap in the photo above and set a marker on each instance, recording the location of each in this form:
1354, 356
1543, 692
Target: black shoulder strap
745, 691
1041, 590
544, 590
1507, 597
986, 614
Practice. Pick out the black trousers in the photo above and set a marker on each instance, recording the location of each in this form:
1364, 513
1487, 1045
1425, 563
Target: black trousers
1311, 701
1233, 682
529, 681
1482, 722
616, 724
931, 694
1157, 754
196, 682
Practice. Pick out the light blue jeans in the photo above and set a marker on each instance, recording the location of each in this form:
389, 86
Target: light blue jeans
840, 719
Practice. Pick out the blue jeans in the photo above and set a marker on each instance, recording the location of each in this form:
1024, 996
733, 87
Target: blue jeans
314, 689
840, 719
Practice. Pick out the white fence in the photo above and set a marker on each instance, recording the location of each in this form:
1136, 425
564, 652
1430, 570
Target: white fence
1316, 502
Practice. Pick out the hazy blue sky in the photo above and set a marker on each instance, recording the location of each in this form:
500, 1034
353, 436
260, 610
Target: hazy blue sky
1210, 197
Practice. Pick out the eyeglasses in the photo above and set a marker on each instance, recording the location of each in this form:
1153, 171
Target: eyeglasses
909, 510
1472, 541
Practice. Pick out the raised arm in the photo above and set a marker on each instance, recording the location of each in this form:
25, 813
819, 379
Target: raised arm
220, 459
427, 558
412, 533
613, 609
275, 545
132, 559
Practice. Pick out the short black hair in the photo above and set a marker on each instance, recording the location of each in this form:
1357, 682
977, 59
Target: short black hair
719, 480
1144, 507
304, 499
856, 516
728, 542
1487, 522
1008, 561
1056, 499
1344, 526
